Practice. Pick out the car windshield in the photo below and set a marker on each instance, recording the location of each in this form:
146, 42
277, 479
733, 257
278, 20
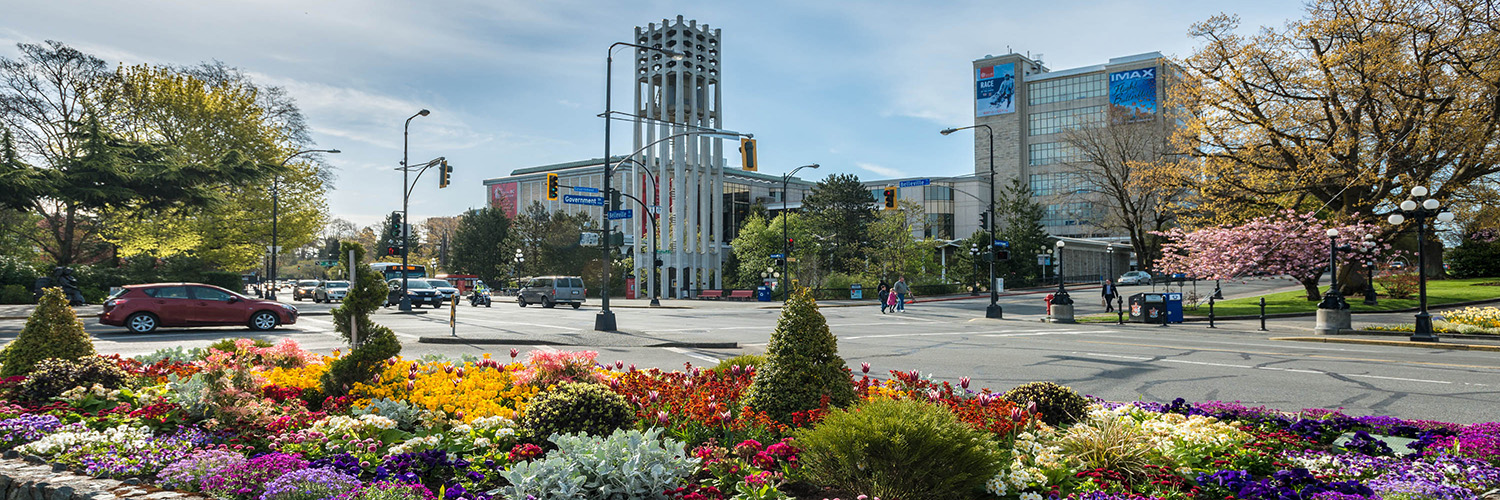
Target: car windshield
307, 283
338, 284
415, 284
439, 283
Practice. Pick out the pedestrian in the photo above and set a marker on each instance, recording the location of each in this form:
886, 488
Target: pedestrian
881, 293
1109, 293
901, 292
891, 300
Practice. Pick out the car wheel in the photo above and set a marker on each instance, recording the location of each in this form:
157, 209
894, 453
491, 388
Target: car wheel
577, 305
296, 298
547, 303
263, 320
141, 323
521, 300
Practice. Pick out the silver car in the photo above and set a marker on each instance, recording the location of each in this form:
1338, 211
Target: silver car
552, 290
450, 292
331, 291
1134, 278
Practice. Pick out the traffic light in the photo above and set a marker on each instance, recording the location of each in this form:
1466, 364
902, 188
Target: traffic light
984, 221
658, 263
791, 244
392, 250
890, 198
1002, 250
551, 186
747, 154
445, 174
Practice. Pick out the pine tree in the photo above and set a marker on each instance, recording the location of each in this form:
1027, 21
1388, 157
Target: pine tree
373, 343
802, 364
52, 331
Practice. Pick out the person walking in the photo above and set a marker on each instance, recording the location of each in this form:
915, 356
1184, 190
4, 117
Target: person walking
901, 291
1109, 293
881, 293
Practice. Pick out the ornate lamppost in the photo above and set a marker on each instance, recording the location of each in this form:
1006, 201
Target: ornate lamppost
1421, 208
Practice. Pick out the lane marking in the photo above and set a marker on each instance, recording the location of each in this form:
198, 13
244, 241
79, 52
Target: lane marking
1148, 360
986, 333
692, 354
326, 328
1294, 355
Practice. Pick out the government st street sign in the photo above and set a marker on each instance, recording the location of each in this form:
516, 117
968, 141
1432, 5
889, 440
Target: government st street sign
596, 201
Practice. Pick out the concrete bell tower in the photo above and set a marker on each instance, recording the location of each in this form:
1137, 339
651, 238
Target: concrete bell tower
684, 176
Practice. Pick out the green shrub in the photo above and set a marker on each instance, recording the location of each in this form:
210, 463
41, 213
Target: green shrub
571, 408
1111, 442
374, 343
743, 361
362, 363
627, 464
52, 331
802, 364
1474, 258
904, 449
1398, 285
1056, 404
227, 345
15, 294
54, 376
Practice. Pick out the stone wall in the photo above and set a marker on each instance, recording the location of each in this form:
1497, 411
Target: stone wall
23, 480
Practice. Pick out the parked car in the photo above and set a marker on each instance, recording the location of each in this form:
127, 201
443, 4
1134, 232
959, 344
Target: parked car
330, 291
304, 289
1134, 278
143, 308
450, 292
419, 290
552, 290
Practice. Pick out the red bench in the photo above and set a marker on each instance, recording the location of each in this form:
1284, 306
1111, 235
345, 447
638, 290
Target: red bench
742, 294
711, 294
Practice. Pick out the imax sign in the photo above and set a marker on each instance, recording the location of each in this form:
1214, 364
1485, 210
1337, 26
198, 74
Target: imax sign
1131, 75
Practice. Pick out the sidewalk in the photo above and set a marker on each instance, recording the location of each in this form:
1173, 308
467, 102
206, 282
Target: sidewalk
1300, 329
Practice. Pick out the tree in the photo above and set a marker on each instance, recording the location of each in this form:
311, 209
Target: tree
1335, 109
802, 364
370, 344
839, 208
439, 232
892, 249
1285, 243
759, 238
52, 331
1118, 171
1020, 219
549, 240
483, 245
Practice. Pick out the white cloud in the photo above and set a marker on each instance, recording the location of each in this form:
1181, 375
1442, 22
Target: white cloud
879, 170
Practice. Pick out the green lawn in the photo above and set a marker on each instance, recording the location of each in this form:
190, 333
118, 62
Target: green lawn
1438, 292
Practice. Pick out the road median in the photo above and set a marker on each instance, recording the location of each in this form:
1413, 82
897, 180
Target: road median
1393, 343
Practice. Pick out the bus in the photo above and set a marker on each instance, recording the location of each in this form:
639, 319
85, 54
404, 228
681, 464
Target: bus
392, 270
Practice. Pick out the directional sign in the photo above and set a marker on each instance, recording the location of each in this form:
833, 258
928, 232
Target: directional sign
778, 256
585, 189
597, 201
1002, 244
915, 183
620, 214
656, 209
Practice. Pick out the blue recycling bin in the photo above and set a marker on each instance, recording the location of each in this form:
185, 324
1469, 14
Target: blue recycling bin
1174, 307
763, 293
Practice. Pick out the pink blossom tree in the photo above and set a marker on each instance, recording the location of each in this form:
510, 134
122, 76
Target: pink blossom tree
1282, 244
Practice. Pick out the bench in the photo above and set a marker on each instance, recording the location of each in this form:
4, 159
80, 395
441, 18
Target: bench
711, 294
742, 294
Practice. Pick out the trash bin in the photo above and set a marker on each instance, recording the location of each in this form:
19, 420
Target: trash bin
1152, 308
763, 293
1174, 307
1137, 308
856, 291
1048, 300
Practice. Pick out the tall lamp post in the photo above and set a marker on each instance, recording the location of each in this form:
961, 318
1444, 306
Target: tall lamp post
786, 242
1369, 244
1061, 297
516, 269
276, 214
1333, 299
605, 320
974, 253
1109, 253
994, 310
405, 304
1421, 208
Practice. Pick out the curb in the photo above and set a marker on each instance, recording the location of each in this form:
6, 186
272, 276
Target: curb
981, 296
1392, 343
461, 340
1315, 313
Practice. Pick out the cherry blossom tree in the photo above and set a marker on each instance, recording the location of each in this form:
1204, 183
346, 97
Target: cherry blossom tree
1285, 243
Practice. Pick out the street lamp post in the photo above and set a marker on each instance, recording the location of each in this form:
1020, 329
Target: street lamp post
786, 250
1369, 244
276, 213
1421, 211
516, 269
1061, 297
974, 254
994, 310
405, 304
1109, 253
1333, 311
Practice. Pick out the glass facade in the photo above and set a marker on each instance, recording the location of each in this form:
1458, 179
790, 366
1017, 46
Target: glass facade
736, 209
1067, 89
1052, 122
1054, 183
937, 192
1067, 214
1048, 153
938, 226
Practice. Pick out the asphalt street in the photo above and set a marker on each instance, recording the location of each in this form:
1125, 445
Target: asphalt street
949, 339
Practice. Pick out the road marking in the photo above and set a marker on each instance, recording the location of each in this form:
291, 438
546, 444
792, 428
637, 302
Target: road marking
692, 354
326, 328
1293, 354
1269, 368
990, 333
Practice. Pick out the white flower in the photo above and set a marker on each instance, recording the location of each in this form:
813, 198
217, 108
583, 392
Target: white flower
1031, 495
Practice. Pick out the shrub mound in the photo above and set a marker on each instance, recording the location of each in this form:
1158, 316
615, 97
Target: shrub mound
1057, 404
626, 464
802, 364
52, 331
904, 449
743, 361
54, 376
572, 408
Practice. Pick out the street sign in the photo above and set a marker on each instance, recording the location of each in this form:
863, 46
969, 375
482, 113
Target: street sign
778, 256
1002, 244
588, 239
655, 209
271, 249
620, 214
585, 189
915, 183
597, 201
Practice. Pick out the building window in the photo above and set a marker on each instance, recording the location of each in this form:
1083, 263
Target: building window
1048, 153
736, 209
1056, 183
1052, 122
939, 226
937, 192
1067, 214
1067, 89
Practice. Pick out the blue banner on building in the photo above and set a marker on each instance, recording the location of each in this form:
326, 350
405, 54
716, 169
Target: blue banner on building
1132, 95
995, 90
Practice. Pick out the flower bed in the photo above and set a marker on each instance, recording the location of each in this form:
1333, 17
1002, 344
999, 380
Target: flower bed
251, 423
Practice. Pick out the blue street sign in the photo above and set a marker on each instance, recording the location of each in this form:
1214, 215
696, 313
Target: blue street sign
619, 214
597, 201
778, 256
915, 183
1002, 244
585, 189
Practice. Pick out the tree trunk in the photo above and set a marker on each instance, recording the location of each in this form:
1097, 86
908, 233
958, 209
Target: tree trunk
1313, 293
1434, 262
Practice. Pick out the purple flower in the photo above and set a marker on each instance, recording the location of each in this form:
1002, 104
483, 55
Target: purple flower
244, 481
26, 428
189, 472
310, 484
389, 490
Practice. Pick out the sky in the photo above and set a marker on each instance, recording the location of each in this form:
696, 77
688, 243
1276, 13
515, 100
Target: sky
859, 87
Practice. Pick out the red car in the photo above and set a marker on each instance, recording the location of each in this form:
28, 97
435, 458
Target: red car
142, 308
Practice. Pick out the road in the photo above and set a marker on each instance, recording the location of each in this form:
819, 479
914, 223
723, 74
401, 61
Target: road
949, 339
